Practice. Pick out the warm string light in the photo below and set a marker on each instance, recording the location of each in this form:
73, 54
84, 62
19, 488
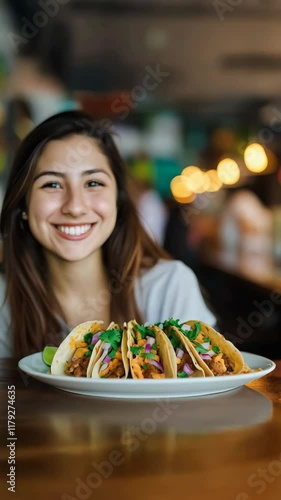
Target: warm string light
255, 158
193, 180
215, 182
198, 181
228, 171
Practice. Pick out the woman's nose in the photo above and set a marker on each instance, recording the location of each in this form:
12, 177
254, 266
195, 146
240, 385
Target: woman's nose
74, 203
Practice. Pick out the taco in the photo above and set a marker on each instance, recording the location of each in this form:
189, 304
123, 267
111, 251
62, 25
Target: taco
149, 352
216, 355
182, 357
111, 360
77, 352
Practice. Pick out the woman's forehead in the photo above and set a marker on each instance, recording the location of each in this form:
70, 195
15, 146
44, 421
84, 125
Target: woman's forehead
72, 152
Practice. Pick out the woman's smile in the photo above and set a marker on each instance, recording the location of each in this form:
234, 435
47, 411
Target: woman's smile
74, 231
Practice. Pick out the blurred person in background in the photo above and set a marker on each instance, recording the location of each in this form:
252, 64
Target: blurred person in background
245, 224
74, 247
43, 90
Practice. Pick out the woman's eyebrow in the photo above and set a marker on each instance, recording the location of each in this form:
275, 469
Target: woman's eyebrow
62, 175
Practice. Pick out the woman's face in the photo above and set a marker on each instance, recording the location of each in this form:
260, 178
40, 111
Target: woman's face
72, 202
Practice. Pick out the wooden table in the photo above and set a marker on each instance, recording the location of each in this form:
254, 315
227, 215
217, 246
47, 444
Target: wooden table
75, 447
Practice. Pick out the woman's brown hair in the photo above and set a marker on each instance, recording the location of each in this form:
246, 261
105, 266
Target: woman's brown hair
35, 312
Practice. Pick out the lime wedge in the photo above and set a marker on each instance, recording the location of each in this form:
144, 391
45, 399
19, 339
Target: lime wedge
48, 354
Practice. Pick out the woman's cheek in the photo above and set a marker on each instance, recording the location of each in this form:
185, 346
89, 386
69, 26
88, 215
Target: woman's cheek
106, 207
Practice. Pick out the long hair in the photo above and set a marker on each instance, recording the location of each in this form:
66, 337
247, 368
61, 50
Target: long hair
36, 316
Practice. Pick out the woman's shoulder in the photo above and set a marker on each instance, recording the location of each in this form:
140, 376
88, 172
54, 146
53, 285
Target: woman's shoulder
171, 289
167, 269
166, 275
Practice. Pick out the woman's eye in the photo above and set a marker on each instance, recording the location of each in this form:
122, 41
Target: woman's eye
94, 183
52, 185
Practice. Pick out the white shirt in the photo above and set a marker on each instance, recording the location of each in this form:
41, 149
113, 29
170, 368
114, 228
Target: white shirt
169, 289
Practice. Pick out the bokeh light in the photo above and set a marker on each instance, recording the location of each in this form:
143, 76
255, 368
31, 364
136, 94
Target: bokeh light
215, 182
228, 171
255, 158
180, 187
188, 199
198, 181
188, 171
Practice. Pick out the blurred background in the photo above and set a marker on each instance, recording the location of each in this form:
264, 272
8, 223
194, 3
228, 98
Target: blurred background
192, 91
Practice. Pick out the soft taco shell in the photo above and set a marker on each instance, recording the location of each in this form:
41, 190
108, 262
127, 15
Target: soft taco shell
97, 361
164, 350
217, 339
67, 347
198, 370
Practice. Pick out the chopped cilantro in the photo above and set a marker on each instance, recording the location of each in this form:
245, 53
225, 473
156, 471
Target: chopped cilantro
216, 349
87, 354
148, 355
144, 367
200, 348
91, 347
175, 341
145, 331
88, 337
112, 354
206, 339
113, 337
136, 349
182, 375
154, 347
190, 334
198, 327
158, 324
193, 333
171, 322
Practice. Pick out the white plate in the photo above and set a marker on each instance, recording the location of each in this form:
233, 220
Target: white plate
146, 389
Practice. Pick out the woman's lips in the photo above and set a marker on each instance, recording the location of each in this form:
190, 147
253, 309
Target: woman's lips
74, 232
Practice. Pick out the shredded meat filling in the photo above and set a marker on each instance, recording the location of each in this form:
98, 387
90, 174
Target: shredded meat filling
115, 369
220, 365
230, 365
77, 367
150, 371
185, 359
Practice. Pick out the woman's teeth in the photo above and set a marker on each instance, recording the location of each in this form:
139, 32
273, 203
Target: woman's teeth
74, 230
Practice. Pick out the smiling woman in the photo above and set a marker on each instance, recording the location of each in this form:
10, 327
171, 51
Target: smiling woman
74, 248
70, 203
